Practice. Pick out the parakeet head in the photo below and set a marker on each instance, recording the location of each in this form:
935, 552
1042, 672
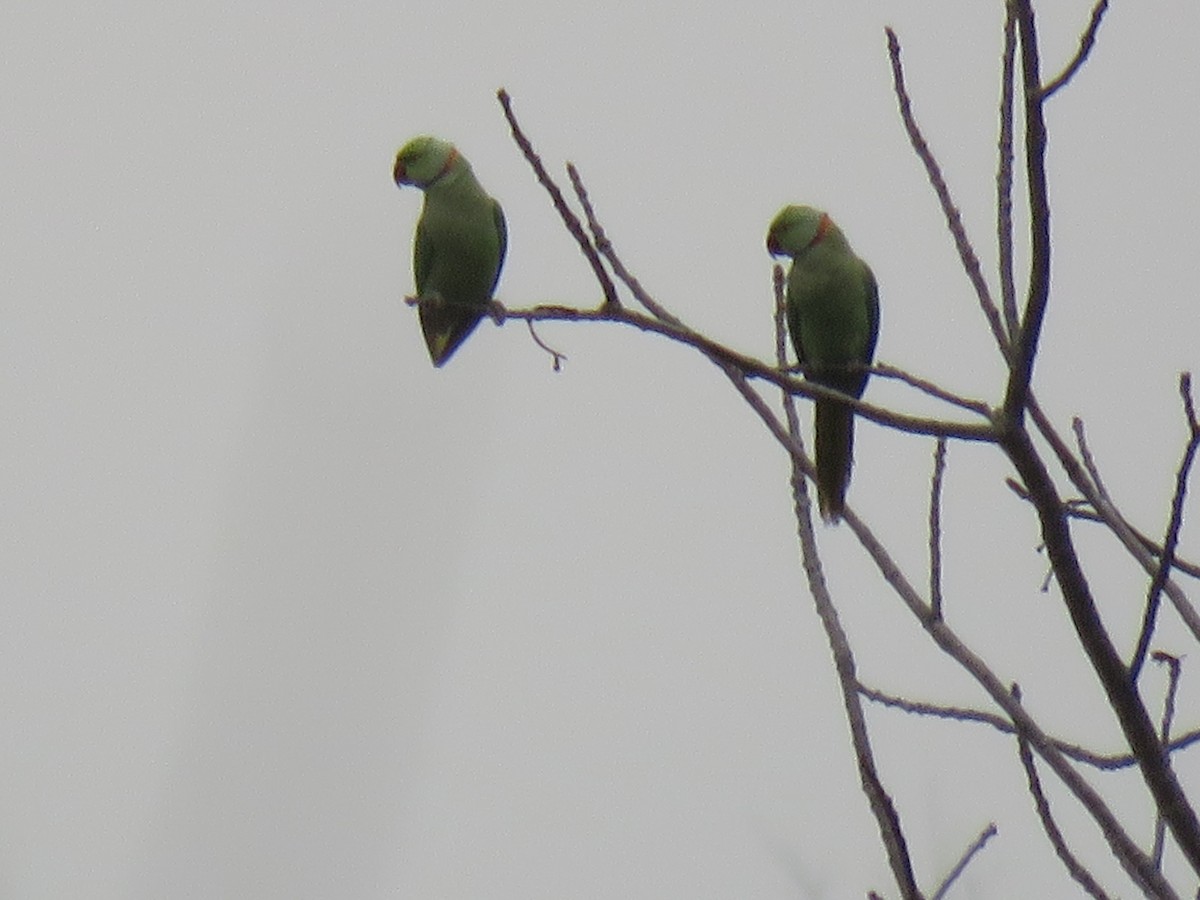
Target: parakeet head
795, 229
424, 160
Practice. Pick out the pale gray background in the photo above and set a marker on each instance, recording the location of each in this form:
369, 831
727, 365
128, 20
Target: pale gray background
287, 613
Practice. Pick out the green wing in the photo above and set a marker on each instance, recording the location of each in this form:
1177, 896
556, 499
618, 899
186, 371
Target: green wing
424, 250
502, 236
872, 318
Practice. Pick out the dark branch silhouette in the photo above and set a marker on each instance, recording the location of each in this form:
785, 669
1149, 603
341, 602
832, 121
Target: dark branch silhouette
1017, 334
935, 527
1082, 876
959, 867
1105, 761
1167, 558
1086, 42
966, 252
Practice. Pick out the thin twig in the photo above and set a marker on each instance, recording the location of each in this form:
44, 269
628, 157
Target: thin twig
605, 246
778, 430
1103, 761
935, 527
1042, 806
559, 358
754, 368
669, 325
778, 283
1171, 541
928, 387
1096, 642
878, 799
801, 462
1130, 856
789, 439
966, 252
570, 220
1085, 453
1135, 542
978, 844
1174, 665
1004, 177
1086, 41
1024, 349
1173, 668
1066, 458
1081, 509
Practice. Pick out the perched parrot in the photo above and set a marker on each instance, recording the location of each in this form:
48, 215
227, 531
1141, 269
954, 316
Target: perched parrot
833, 317
459, 245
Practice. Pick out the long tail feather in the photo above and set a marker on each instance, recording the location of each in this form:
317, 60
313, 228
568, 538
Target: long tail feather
445, 327
834, 425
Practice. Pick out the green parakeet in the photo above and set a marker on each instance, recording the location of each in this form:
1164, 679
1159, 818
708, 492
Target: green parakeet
833, 318
459, 244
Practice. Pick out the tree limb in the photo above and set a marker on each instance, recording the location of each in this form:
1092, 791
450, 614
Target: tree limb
1086, 41
1081, 875
1171, 541
878, 799
966, 252
570, 220
1103, 761
978, 844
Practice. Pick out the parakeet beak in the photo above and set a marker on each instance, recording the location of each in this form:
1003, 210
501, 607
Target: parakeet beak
772, 247
398, 173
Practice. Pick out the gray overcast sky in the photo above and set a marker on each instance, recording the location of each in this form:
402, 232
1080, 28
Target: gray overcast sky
287, 613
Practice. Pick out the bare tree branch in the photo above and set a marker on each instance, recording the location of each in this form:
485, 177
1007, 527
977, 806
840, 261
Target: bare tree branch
1130, 856
604, 245
953, 220
754, 368
1167, 560
671, 326
1086, 42
1024, 350
778, 288
1135, 722
1082, 509
1173, 669
1107, 762
1004, 177
558, 358
1018, 338
570, 220
935, 527
1089, 462
978, 844
1081, 875
1136, 543
1122, 696
1087, 514
880, 802
789, 441
928, 387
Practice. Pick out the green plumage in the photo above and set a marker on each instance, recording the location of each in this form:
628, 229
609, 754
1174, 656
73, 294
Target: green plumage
833, 318
459, 246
